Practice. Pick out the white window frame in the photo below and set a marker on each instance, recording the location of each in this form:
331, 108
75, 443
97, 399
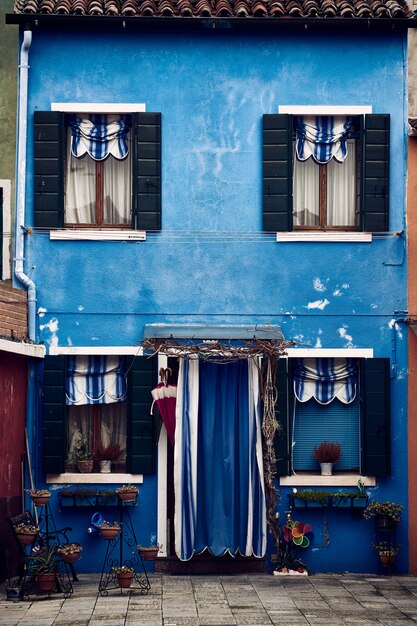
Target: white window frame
93, 234
347, 479
327, 236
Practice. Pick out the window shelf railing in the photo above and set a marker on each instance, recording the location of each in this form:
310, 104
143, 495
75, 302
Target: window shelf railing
90, 497
321, 499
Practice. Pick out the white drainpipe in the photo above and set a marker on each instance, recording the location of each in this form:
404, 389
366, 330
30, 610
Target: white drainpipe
21, 183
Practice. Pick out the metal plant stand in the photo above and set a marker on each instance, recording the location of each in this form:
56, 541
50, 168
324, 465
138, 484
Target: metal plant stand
386, 535
125, 542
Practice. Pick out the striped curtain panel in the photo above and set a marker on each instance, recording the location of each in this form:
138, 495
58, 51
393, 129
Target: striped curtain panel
95, 380
326, 379
322, 137
218, 464
99, 136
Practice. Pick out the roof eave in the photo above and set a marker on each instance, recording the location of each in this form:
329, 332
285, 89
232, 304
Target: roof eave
35, 20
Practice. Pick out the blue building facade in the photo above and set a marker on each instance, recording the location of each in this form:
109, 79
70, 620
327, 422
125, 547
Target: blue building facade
215, 245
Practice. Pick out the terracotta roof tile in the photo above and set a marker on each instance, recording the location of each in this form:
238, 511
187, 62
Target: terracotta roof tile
327, 9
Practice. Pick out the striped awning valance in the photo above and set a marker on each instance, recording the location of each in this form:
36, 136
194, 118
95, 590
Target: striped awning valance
322, 137
326, 379
99, 136
95, 380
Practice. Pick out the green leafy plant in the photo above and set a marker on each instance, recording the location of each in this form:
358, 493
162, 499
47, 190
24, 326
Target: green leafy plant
122, 569
310, 495
327, 452
386, 547
82, 451
127, 489
44, 562
69, 548
26, 529
388, 508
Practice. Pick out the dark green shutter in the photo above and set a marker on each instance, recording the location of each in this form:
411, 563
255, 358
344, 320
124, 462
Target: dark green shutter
282, 446
54, 410
375, 174
376, 435
147, 171
48, 169
277, 172
141, 442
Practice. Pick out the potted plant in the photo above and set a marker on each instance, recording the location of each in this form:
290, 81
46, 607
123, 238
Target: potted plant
124, 575
83, 457
327, 453
386, 514
39, 497
26, 533
69, 552
44, 566
109, 530
127, 493
149, 553
387, 552
106, 455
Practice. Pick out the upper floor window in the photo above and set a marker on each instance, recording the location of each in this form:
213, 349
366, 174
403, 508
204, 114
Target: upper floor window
97, 170
326, 172
98, 175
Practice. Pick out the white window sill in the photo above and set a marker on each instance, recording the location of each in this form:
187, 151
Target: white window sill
329, 236
337, 480
69, 234
95, 478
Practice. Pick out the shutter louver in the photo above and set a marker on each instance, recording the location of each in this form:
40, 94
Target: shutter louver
282, 448
48, 169
375, 174
277, 173
54, 411
147, 171
141, 442
376, 435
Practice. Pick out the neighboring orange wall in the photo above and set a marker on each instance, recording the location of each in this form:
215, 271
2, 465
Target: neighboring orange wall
412, 353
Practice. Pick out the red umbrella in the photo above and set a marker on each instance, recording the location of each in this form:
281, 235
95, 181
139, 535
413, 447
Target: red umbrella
165, 397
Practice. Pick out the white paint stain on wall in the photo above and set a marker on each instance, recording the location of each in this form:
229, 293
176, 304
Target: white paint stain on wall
80, 307
337, 293
42, 311
344, 335
52, 326
318, 304
394, 324
318, 285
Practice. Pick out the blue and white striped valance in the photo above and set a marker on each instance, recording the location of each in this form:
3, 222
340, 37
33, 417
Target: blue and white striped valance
322, 137
95, 380
99, 136
326, 379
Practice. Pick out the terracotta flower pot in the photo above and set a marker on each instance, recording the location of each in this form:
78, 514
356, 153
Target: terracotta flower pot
85, 467
125, 579
40, 500
46, 582
70, 558
387, 558
26, 538
148, 554
127, 496
109, 533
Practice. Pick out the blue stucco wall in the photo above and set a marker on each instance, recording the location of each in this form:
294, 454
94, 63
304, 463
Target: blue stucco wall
212, 89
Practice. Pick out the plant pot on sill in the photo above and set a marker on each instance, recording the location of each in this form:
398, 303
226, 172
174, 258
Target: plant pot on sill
125, 580
46, 582
105, 467
26, 538
326, 469
40, 500
85, 467
148, 554
109, 533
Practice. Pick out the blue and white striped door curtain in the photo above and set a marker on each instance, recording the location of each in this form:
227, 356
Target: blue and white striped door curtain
218, 463
95, 380
326, 379
99, 136
322, 137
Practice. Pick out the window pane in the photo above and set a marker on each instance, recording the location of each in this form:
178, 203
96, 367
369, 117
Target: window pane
117, 191
314, 423
80, 190
341, 189
306, 193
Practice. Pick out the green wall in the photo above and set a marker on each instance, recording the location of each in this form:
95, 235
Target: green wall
8, 89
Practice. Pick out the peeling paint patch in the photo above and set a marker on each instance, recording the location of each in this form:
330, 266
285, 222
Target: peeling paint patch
52, 325
343, 334
393, 324
318, 285
318, 304
318, 343
80, 308
69, 341
299, 338
374, 306
42, 311
94, 338
337, 293
345, 286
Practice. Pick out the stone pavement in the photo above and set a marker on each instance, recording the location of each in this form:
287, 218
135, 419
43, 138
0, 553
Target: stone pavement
245, 600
